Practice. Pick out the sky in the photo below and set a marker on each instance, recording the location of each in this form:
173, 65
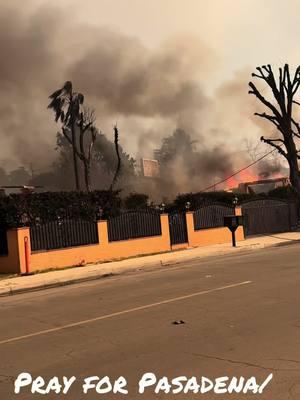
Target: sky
243, 33
152, 66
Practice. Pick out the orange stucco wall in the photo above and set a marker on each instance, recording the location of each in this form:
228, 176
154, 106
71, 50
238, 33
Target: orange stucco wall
105, 250
180, 246
205, 237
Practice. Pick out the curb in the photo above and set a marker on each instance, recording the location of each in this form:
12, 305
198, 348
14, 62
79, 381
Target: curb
10, 291
52, 285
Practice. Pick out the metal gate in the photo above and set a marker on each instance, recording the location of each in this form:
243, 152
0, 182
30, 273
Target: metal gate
178, 228
267, 216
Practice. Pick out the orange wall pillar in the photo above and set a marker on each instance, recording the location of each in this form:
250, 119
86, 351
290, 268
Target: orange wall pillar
165, 230
14, 262
238, 210
190, 227
240, 234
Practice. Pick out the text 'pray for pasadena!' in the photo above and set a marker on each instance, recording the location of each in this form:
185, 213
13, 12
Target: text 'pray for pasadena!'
148, 383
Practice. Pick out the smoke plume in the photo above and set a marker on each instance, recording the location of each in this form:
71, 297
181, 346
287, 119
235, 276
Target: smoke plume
150, 92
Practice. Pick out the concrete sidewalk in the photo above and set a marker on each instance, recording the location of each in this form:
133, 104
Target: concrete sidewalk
56, 278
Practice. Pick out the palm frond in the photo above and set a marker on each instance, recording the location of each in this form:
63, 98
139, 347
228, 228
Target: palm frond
55, 94
80, 97
68, 87
55, 104
62, 116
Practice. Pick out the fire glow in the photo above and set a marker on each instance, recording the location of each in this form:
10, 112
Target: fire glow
247, 176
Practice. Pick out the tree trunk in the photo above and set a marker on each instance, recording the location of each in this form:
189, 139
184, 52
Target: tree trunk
87, 176
294, 175
75, 161
293, 164
74, 146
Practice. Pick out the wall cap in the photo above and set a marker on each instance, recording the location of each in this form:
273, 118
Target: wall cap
21, 228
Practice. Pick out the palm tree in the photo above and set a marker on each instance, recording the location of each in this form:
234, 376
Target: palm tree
67, 106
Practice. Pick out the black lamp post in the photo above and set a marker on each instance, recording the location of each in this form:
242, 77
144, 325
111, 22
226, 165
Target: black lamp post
235, 201
233, 221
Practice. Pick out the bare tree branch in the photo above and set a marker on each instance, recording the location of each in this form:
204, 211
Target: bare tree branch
263, 100
284, 88
271, 118
271, 142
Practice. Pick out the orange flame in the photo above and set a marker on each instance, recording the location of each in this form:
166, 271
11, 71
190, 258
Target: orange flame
247, 176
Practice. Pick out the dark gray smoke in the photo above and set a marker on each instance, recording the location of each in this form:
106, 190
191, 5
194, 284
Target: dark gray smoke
126, 78
119, 76
29, 69
267, 169
149, 92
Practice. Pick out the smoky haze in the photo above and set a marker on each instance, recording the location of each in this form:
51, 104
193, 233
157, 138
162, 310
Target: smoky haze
150, 92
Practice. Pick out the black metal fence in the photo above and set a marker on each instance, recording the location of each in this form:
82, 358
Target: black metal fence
134, 224
211, 215
63, 233
3, 242
269, 216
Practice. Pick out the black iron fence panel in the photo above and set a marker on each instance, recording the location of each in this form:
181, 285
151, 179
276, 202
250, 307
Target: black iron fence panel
268, 216
211, 216
63, 233
178, 228
3, 242
133, 225
294, 216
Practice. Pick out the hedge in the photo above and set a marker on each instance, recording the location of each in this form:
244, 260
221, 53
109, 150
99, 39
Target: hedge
17, 210
198, 199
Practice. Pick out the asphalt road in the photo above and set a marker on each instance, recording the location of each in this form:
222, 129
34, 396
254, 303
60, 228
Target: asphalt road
241, 317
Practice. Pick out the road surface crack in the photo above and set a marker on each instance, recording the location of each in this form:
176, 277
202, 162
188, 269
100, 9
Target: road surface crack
247, 364
6, 378
284, 359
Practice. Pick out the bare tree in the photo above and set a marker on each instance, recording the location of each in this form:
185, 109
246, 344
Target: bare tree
79, 130
118, 168
67, 105
88, 134
280, 113
252, 149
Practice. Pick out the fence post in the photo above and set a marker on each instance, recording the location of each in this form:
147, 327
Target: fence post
238, 210
189, 215
165, 230
15, 260
102, 232
240, 232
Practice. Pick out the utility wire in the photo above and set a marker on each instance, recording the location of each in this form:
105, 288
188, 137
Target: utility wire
239, 171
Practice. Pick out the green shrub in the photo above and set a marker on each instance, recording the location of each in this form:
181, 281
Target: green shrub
18, 210
136, 201
285, 192
198, 199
